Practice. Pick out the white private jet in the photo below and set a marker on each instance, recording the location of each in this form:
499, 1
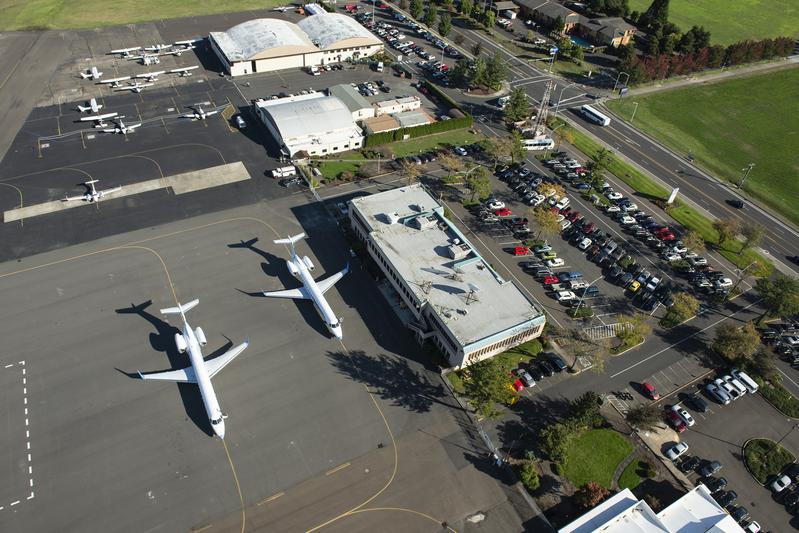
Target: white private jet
92, 74
200, 371
114, 82
310, 290
99, 120
150, 76
125, 52
135, 87
183, 72
93, 106
199, 113
92, 194
120, 127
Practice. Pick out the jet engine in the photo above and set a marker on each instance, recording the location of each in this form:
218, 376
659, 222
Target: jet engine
180, 342
293, 269
307, 261
200, 334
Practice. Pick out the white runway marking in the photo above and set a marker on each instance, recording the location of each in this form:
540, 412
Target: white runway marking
27, 432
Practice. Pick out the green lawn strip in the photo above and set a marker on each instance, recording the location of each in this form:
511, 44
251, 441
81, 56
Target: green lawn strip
635, 472
594, 456
765, 458
437, 140
331, 169
783, 400
39, 14
456, 381
729, 124
685, 215
510, 360
730, 22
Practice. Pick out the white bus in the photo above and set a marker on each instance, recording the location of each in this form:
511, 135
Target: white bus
538, 144
592, 115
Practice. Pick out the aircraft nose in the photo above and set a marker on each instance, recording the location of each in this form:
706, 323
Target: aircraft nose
337, 333
219, 429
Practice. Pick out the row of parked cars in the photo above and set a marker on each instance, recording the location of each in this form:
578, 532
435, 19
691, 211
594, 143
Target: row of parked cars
526, 376
730, 387
784, 340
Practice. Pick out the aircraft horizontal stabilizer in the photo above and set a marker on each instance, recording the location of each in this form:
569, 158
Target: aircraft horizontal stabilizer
291, 240
180, 309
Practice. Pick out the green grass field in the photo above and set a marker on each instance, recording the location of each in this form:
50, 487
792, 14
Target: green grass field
24, 14
729, 22
730, 124
594, 455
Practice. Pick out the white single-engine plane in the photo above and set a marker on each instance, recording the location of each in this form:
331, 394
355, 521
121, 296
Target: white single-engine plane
93, 106
200, 371
92, 73
301, 267
198, 113
92, 194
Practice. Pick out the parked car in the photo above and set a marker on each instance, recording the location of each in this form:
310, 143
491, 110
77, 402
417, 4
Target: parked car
689, 464
718, 394
683, 414
554, 263
780, 484
675, 421
650, 391
546, 367
710, 469
726, 497
740, 514
558, 363
675, 451
715, 484
697, 403
525, 376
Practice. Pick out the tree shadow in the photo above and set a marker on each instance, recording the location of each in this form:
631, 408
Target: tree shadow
392, 379
665, 492
162, 340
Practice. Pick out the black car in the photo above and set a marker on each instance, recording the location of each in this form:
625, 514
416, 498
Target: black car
715, 484
726, 497
288, 182
557, 363
530, 265
710, 468
536, 372
791, 500
697, 403
740, 514
546, 368
689, 464
736, 203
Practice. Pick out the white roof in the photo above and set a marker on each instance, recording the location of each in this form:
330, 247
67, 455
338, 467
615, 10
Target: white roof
469, 298
698, 512
248, 39
308, 115
327, 29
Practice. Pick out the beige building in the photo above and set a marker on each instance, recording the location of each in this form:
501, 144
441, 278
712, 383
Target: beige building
397, 105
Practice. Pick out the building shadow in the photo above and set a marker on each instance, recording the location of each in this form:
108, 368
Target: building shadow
162, 340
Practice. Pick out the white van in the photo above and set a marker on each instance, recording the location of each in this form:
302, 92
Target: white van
744, 378
563, 203
380, 66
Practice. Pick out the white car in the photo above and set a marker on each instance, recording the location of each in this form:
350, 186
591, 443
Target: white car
753, 527
674, 452
565, 296
542, 248
631, 207
460, 151
672, 256
563, 203
538, 200
565, 224
682, 413
612, 209
680, 248
553, 263
496, 204
731, 391
584, 244
627, 220
698, 261
613, 195
781, 483
723, 283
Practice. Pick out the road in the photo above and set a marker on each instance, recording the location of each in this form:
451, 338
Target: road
674, 170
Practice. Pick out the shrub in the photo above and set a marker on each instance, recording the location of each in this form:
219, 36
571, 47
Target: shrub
765, 458
780, 398
529, 476
346, 175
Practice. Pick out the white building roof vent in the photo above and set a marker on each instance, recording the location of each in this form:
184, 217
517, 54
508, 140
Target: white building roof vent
458, 251
392, 218
424, 221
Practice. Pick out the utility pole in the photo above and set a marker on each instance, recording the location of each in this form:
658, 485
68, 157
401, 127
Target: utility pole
746, 172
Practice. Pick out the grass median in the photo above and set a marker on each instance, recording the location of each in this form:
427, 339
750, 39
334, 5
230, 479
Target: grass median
765, 458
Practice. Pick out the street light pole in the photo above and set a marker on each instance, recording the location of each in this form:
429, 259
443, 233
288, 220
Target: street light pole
626, 81
746, 172
560, 96
634, 110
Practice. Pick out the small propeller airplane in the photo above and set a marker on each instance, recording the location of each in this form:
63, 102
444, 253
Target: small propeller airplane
92, 74
189, 41
92, 194
125, 52
114, 82
146, 59
120, 127
150, 76
99, 120
183, 72
199, 113
157, 47
135, 87
93, 106
178, 51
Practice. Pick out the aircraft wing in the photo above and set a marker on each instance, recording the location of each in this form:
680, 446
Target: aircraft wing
296, 294
218, 363
183, 375
326, 284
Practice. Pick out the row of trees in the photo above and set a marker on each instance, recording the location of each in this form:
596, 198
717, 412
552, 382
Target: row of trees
664, 65
484, 73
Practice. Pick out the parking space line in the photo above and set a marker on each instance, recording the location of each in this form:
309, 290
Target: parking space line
271, 498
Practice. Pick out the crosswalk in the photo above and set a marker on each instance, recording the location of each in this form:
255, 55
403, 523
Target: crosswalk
604, 332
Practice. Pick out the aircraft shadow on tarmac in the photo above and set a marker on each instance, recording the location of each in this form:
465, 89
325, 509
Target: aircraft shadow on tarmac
162, 340
275, 267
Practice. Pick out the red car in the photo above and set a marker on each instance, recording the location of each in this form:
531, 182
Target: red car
650, 391
565, 211
550, 280
666, 236
675, 421
574, 215
518, 386
663, 229
522, 250
504, 212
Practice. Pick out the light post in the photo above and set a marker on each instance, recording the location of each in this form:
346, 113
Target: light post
560, 96
626, 81
741, 273
557, 144
746, 172
634, 110
577, 309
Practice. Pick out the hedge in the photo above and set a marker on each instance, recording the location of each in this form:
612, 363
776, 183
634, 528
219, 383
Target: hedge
376, 139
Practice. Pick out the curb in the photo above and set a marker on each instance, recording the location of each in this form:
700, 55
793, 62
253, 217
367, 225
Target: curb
628, 349
743, 455
775, 407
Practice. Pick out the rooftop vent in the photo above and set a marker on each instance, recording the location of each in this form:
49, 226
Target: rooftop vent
392, 218
458, 251
424, 222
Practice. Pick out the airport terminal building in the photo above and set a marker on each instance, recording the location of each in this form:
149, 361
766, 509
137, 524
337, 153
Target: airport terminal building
269, 44
451, 294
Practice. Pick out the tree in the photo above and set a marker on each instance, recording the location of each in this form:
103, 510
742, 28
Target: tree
498, 150
734, 342
644, 417
584, 410
445, 24
529, 476
530, 36
489, 18
599, 162
561, 134
460, 74
555, 440
653, 44
410, 172
403, 5
458, 39
687, 44
577, 54
479, 183
780, 296
488, 384
684, 307
417, 9
763, 364
496, 72
657, 14
727, 229
694, 241
518, 107
558, 26
635, 328
450, 163
430, 16
467, 7
479, 76
477, 49
516, 147
590, 495
546, 220
551, 189
753, 234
